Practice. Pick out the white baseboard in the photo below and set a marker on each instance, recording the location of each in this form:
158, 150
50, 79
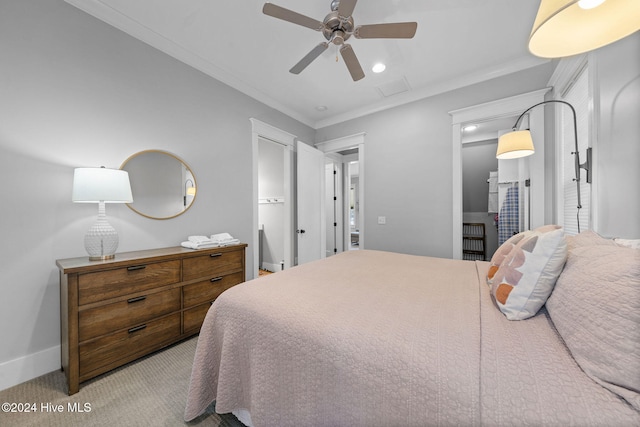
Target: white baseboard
271, 267
31, 366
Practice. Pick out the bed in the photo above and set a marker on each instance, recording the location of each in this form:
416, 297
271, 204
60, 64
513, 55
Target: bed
369, 338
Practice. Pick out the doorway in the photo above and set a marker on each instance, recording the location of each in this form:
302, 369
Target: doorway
342, 201
479, 203
283, 144
271, 205
499, 109
347, 155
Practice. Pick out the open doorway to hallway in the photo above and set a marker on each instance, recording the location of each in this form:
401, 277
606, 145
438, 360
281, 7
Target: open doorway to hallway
342, 201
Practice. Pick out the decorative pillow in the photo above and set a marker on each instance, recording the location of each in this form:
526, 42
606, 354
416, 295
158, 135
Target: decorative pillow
528, 274
595, 307
504, 249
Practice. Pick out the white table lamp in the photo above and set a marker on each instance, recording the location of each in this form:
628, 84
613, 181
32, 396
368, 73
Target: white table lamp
101, 185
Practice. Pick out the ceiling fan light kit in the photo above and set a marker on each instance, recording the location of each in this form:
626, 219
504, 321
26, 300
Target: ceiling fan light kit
337, 27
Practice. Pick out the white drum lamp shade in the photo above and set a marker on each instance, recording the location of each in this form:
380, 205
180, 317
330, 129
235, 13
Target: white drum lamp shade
515, 144
569, 27
101, 185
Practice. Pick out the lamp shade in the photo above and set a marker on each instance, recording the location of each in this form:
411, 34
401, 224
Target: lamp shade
93, 185
515, 144
569, 27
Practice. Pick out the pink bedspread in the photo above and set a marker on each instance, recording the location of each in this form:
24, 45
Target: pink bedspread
370, 338
362, 338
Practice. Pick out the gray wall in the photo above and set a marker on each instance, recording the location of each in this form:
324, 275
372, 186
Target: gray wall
76, 92
408, 164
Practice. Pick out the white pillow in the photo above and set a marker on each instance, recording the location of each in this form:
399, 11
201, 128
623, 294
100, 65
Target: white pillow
528, 274
630, 243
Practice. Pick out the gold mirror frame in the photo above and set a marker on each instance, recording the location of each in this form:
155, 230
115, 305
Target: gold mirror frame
163, 185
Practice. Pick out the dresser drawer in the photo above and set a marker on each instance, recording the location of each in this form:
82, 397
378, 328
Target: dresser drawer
134, 311
212, 265
127, 344
208, 290
194, 317
102, 285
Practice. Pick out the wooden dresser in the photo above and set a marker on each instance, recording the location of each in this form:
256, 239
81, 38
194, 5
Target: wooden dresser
115, 311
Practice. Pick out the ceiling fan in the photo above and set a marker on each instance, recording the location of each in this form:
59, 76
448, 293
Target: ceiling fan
337, 27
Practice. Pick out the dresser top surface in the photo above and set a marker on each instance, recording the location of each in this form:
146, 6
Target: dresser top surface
83, 264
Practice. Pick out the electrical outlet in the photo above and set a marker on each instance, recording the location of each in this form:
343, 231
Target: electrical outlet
382, 220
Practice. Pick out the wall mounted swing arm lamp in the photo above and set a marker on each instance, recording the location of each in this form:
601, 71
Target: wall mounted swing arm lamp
189, 190
520, 144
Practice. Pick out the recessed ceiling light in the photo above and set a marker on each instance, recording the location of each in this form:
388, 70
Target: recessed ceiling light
378, 68
322, 108
470, 128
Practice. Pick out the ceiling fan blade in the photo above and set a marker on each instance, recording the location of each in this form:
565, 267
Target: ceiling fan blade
309, 57
397, 30
352, 62
291, 16
346, 7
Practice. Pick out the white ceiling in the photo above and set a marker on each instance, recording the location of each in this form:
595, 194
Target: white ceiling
458, 42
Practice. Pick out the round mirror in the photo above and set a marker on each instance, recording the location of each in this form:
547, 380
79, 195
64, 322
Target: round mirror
162, 184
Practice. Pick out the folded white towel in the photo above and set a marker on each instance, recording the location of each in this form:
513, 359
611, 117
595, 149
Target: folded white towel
224, 239
221, 237
203, 245
229, 242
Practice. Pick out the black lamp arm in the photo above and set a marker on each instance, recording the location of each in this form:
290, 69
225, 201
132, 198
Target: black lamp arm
586, 165
184, 199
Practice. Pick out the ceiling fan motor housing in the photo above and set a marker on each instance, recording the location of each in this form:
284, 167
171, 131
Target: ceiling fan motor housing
337, 30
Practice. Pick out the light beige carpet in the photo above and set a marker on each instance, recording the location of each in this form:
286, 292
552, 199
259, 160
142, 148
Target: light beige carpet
148, 392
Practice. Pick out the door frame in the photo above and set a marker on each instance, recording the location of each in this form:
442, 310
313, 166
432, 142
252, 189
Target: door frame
500, 108
345, 143
337, 162
265, 131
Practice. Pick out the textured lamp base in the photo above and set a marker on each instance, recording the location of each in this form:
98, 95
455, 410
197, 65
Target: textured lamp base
101, 240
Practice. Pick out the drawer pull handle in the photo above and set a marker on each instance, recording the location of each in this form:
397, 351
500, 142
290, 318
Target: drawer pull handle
216, 279
136, 299
215, 255
136, 267
137, 328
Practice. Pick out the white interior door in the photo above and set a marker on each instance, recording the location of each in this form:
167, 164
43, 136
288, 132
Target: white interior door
311, 207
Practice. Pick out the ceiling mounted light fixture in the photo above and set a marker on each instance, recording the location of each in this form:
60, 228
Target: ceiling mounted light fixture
379, 67
569, 27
